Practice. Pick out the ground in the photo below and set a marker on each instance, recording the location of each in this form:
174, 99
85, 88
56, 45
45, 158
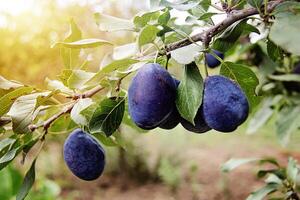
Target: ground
207, 152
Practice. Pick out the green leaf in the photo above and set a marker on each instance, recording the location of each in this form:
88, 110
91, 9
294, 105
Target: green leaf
110, 23
125, 51
288, 122
76, 115
22, 111
235, 162
274, 51
231, 35
164, 18
187, 54
7, 85
7, 100
263, 192
147, 35
118, 64
107, 141
84, 43
255, 3
261, 116
207, 15
27, 183
190, 92
179, 5
57, 85
68, 55
6, 142
245, 77
63, 124
108, 116
11, 154
285, 29
79, 78
292, 170
285, 77
148, 18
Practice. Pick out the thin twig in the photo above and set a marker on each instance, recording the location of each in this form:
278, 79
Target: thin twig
207, 35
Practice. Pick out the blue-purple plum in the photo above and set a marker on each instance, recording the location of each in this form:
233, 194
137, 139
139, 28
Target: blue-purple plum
83, 155
212, 61
200, 124
174, 118
151, 96
225, 105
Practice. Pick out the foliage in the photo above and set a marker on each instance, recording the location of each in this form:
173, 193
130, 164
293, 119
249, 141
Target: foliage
96, 100
281, 182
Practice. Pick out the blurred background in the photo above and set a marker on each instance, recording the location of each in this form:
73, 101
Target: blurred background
159, 165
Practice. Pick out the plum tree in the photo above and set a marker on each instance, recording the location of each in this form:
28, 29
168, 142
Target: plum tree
200, 124
84, 155
151, 96
174, 118
293, 85
212, 61
225, 105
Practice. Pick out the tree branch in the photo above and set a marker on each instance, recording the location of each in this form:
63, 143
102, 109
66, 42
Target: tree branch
68, 108
233, 17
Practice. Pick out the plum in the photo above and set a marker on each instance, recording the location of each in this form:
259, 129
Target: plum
174, 118
151, 96
293, 86
225, 105
200, 124
84, 155
211, 61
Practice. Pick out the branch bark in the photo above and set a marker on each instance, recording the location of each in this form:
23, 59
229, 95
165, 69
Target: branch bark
233, 17
68, 108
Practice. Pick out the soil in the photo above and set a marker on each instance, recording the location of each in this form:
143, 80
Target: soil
210, 183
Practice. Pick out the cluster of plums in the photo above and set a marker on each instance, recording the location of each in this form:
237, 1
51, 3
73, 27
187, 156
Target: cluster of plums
151, 101
152, 95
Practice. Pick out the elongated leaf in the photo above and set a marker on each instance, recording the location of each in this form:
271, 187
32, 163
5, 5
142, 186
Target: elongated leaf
68, 55
22, 111
78, 107
232, 34
190, 92
285, 77
108, 116
8, 156
292, 170
187, 54
287, 18
118, 64
27, 183
274, 51
234, 163
125, 51
7, 100
182, 6
245, 77
147, 35
79, 78
263, 192
84, 43
7, 85
110, 23
140, 21
6, 142
261, 117
288, 122
57, 85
